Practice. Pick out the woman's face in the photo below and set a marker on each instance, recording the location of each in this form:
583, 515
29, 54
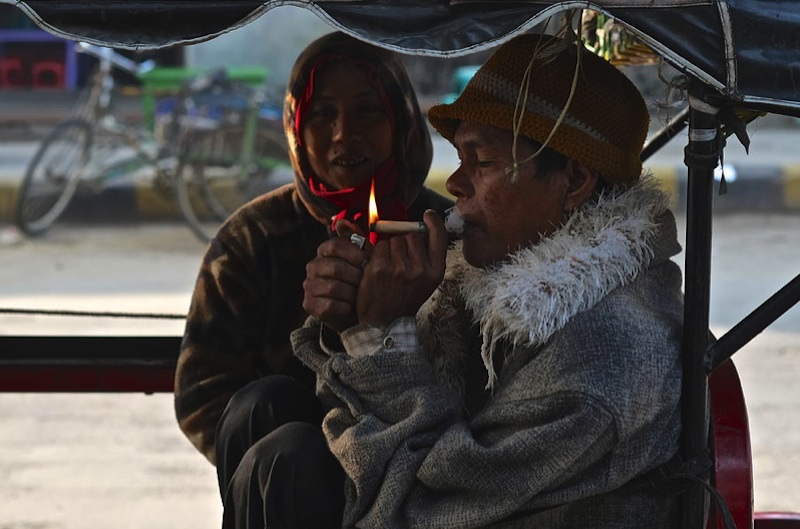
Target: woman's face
346, 131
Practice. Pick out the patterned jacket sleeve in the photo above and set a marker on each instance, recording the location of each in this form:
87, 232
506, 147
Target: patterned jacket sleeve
220, 346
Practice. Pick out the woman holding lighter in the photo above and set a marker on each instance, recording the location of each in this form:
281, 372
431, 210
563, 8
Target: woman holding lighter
352, 120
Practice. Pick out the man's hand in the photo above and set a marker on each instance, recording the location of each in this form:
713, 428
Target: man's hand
402, 272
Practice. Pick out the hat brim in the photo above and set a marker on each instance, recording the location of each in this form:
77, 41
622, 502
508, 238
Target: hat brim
446, 118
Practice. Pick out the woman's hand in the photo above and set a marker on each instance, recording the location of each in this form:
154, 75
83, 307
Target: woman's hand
333, 278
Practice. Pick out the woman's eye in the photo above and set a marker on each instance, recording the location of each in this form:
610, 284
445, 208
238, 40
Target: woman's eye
372, 109
322, 112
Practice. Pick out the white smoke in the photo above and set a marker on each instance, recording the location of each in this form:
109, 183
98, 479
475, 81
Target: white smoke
453, 221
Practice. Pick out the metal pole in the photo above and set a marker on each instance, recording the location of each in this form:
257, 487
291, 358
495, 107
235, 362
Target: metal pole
701, 157
663, 136
755, 322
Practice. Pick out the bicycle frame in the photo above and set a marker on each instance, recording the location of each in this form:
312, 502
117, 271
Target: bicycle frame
230, 153
98, 103
248, 160
97, 111
251, 109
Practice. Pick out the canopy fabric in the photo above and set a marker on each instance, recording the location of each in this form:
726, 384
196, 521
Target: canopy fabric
748, 50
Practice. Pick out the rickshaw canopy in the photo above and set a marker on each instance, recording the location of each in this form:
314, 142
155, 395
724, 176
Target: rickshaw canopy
747, 50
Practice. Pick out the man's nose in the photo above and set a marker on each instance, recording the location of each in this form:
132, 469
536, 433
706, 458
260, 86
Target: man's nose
457, 184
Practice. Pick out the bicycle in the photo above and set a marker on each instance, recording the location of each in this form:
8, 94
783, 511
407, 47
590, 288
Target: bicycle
241, 153
93, 146
84, 147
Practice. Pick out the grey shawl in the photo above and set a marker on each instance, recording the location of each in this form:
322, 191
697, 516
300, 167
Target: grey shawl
587, 327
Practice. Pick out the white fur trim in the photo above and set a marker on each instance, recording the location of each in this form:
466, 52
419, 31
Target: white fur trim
602, 246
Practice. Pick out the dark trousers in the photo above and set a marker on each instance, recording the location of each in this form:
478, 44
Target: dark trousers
274, 467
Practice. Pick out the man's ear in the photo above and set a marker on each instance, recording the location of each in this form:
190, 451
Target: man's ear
582, 183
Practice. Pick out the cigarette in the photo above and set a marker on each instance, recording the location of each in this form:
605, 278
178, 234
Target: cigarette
398, 226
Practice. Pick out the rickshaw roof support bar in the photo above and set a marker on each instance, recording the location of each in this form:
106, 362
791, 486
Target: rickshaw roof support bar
755, 322
143, 364
701, 155
665, 134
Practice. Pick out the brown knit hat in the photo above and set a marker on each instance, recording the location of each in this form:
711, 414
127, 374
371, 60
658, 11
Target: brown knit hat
605, 124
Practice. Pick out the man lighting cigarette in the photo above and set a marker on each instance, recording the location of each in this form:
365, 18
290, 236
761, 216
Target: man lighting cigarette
543, 347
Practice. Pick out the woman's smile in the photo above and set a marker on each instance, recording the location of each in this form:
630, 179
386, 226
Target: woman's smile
347, 132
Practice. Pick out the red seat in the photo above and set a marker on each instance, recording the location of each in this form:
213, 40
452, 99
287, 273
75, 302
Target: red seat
732, 473
733, 462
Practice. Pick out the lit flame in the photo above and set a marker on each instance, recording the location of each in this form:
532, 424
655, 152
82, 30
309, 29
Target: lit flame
373, 213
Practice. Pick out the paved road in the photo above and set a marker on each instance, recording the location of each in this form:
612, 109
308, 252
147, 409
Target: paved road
100, 460
89, 461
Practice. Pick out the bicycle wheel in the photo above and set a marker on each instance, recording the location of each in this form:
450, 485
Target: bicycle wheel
213, 182
52, 176
200, 220
226, 182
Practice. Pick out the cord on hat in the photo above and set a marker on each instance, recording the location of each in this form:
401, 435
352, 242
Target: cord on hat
519, 112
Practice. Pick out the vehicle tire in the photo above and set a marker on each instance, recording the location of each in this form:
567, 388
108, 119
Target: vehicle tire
52, 176
212, 182
192, 205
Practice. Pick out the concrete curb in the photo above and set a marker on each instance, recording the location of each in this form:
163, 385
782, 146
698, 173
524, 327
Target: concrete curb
130, 202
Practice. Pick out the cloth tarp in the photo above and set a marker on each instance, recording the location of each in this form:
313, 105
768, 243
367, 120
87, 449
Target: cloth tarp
748, 50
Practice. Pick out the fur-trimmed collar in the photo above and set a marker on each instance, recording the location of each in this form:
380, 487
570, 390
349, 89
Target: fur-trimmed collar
525, 300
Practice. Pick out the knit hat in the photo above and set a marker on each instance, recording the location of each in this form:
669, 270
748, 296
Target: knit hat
606, 121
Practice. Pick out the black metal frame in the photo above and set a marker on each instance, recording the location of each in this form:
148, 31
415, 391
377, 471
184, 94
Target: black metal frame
663, 136
753, 324
140, 364
702, 147
701, 352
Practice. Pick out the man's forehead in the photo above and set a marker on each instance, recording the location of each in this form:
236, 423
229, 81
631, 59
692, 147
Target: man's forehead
471, 133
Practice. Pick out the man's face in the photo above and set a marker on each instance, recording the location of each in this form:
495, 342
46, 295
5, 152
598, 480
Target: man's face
502, 216
347, 132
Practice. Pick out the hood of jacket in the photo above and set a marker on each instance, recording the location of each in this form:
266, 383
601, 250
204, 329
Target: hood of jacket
525, 300
413, 148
